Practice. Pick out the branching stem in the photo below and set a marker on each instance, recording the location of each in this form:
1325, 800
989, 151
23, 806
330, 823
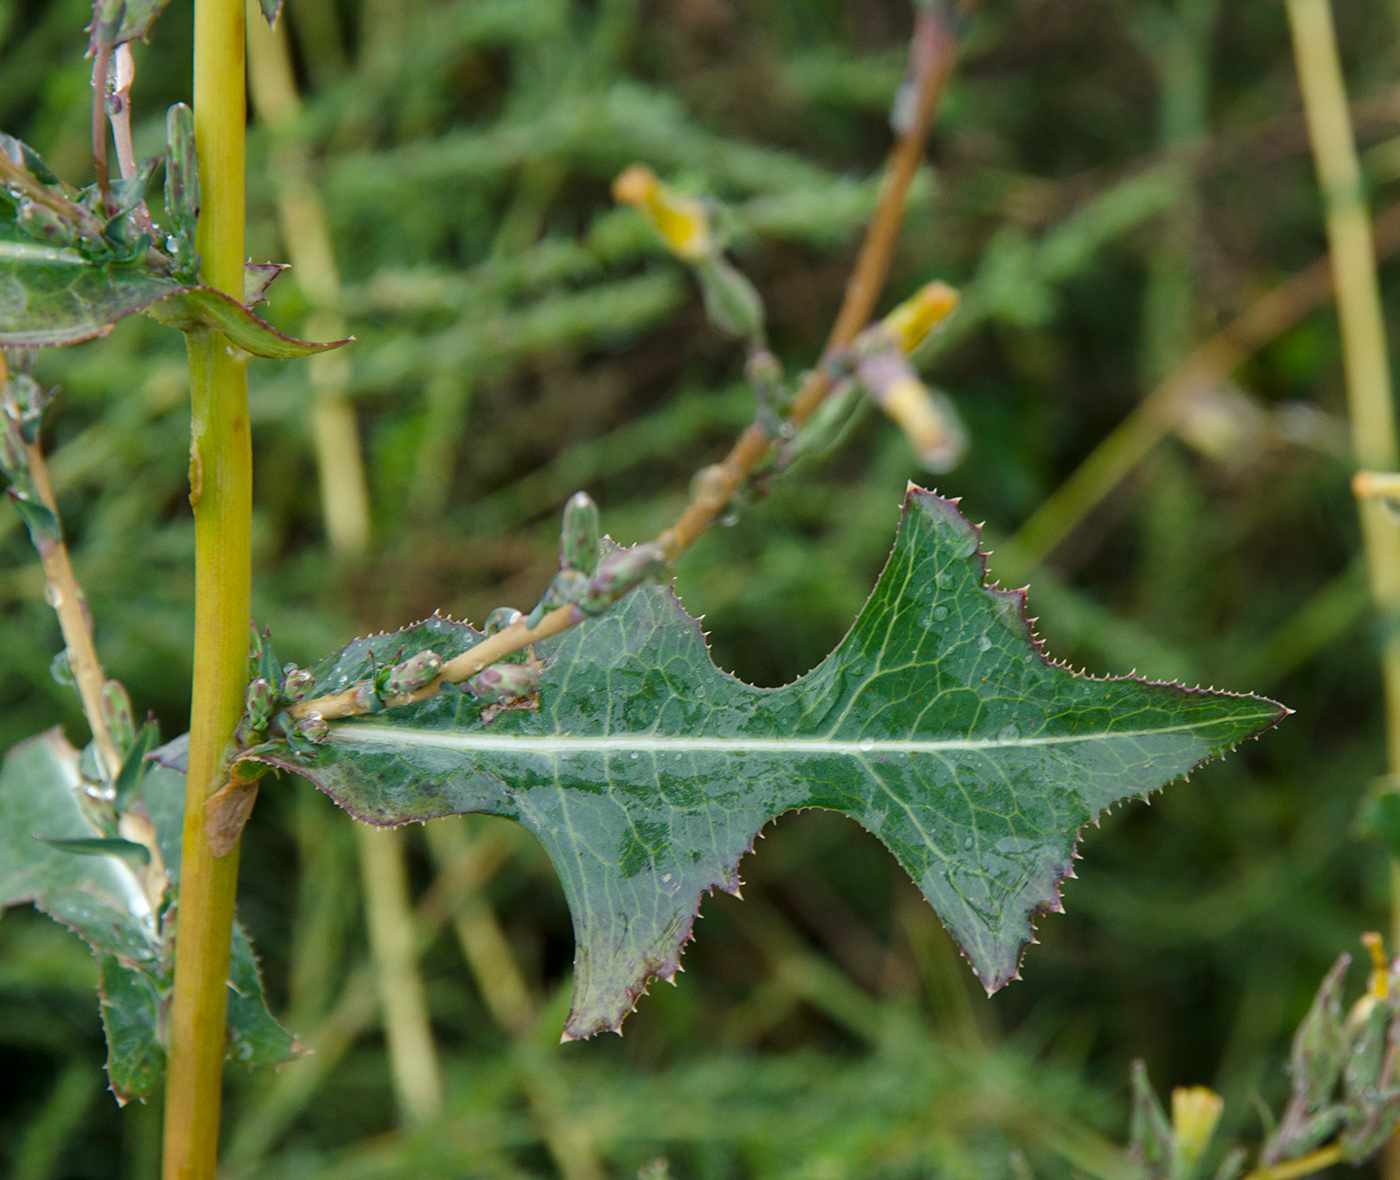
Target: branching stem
101, 65
932, 55
66, 597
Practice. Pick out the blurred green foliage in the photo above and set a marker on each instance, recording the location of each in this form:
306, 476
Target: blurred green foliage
1111, 180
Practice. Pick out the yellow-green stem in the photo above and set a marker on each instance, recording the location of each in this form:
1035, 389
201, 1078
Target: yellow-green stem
221, 471
1306, 1165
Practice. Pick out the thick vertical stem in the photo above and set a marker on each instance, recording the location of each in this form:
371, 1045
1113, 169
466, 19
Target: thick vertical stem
221, 494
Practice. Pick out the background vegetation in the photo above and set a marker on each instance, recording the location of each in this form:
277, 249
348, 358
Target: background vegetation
1111, 181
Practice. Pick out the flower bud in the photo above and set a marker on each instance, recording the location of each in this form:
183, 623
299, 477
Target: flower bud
1150, 1135
117, 715
260, 703
682, 221
43, 224
568, 586
911, 322
298, 685
1195, 1113
927, 417
732, 303
314, 729
505, 682
414, 673
621, 571
578, 540
30, 401
1320, 1044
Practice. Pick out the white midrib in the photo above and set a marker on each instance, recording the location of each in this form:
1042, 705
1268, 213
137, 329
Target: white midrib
642, 743
24, 252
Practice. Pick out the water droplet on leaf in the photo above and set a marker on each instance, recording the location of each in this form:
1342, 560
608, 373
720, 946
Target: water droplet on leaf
983, 643
940, 612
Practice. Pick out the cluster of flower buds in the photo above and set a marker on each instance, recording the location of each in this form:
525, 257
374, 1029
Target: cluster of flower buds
589, 579
1345, 1098
272, 688
1345, 1068
1175, 1149
686, 226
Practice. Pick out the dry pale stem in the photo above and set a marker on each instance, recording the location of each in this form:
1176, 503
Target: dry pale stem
335, 435
66, 597
754, 444
417, 1081
1365, 357
502, 984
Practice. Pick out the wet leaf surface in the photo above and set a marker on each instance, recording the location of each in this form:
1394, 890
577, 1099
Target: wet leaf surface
647, 773
103, 898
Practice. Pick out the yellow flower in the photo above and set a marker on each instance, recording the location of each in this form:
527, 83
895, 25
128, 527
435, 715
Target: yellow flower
682, 221
917, 316
1380, 969
1195, 1113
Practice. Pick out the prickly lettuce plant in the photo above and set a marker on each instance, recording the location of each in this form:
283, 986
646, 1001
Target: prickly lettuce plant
596, 719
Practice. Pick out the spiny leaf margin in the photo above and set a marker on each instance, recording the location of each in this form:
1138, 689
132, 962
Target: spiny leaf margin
101, 899
967, 752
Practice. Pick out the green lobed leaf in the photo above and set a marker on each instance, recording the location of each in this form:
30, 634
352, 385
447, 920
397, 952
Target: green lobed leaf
254, 1036
100, 898
52, 294
130, 1001
104, 897
647, 773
